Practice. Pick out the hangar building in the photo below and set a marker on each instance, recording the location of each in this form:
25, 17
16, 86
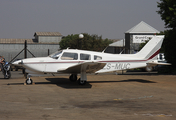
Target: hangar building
47, 37
116, 47
43, 44
137, 35
133, 38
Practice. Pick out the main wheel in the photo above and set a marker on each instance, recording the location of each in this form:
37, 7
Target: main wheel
29, 81
81, 82
73, 78
149, 68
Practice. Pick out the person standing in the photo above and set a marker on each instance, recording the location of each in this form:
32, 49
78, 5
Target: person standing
1, 62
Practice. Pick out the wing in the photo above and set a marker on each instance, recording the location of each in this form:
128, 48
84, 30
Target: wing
88, 67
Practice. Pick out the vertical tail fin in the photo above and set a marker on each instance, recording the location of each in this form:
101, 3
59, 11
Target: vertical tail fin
152, 48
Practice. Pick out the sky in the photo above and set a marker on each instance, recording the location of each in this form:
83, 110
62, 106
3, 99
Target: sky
107, 18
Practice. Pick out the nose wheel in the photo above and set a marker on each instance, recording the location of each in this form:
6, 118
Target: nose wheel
29, 80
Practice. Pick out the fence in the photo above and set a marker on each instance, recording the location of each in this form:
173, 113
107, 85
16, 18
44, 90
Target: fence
9, 51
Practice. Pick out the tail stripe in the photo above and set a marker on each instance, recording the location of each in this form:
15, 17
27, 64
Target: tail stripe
156, 53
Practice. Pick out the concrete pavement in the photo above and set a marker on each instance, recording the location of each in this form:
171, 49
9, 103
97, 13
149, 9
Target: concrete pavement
105, 96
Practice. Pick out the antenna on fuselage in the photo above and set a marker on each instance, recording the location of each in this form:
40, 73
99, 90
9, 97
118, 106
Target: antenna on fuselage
122, 51
105, 49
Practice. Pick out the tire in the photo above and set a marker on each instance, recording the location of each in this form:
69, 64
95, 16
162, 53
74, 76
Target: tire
73, 78
149, 68
81, 82
23, 71
8, 76
29, 81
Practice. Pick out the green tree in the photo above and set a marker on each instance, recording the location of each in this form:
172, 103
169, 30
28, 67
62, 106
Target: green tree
168, 14
89, 42
169, 46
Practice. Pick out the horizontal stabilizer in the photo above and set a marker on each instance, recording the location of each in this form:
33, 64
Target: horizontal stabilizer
157, 63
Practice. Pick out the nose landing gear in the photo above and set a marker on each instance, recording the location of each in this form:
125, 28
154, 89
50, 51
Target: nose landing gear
29, 80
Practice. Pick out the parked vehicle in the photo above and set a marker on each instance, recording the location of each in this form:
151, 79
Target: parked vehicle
160, 59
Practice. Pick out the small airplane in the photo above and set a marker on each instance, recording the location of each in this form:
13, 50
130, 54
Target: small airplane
74, 62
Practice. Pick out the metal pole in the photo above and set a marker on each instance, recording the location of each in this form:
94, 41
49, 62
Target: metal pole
31, 53
25, 56
25, 49
48, 52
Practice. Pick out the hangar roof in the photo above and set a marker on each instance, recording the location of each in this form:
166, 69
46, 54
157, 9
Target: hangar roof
142, 27
12, 41
119, 43
47, 34
30, 41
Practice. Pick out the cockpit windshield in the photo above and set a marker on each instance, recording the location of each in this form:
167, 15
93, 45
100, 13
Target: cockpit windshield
56, 55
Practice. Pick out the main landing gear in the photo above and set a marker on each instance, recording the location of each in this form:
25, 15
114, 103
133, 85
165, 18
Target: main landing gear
73, 78
81, 82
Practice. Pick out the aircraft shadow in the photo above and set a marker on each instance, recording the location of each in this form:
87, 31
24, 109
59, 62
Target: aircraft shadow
129, 80
66, 83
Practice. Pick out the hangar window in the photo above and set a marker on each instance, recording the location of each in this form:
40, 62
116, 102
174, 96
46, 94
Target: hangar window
69, 56
97, 57
85, 56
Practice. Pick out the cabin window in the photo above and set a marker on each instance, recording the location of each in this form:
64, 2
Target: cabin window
69, 56
85, 56
97, 57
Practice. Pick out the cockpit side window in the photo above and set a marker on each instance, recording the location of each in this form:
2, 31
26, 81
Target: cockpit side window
55, 55
97, 57
69, 56
85, 56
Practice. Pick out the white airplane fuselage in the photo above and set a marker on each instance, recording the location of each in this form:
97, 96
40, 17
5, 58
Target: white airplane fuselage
114, 62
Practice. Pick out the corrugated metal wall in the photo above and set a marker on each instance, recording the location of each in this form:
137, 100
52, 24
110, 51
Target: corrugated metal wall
39, 50
49, 39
